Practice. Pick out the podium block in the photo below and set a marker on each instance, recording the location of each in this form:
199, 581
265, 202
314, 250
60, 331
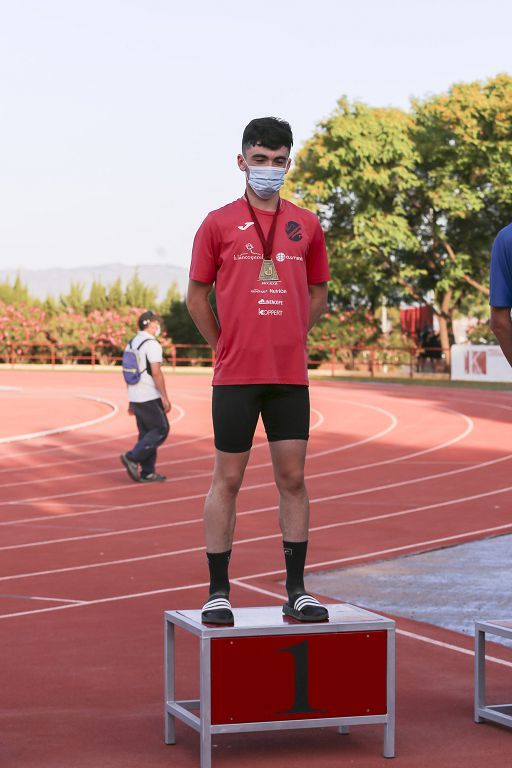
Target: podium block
497, 713
270, 672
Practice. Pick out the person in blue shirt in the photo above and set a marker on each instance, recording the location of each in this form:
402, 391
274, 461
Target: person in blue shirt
501, 290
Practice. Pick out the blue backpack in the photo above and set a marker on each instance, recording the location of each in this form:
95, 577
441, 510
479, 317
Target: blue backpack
131, 364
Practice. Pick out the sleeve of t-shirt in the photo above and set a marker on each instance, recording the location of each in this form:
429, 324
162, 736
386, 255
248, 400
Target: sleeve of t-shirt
501, 271
203, 266
317, 266
153, 351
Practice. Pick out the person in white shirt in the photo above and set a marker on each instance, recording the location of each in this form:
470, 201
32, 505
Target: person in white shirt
148, 402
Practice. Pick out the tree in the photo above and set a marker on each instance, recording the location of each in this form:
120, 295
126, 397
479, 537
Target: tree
464, 141
17, 293
171, 297
410, 203
74, 300
137, 294
97, 297
115, 295
357, 172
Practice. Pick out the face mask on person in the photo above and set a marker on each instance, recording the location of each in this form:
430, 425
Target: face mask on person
158, 331
265, 180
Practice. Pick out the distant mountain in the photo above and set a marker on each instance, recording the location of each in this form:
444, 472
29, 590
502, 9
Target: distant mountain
52, 282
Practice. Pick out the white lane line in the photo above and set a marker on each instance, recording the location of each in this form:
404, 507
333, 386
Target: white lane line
203, 585
405, 633
44, 599
101, 600
197, 520
254, 539
194, 497
451, 647
116, 470
28, 454
197, 475
376, 436
389, 550
112, 439
70, 427
105, 456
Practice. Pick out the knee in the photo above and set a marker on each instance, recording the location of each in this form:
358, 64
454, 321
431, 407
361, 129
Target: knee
227, 484
291, 482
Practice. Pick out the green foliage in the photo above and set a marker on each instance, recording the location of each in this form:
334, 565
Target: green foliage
179, 324
482, 334
410, 202
98, 299
357, 172
171, 297
138, 294
115, 295
74, 300
17, 293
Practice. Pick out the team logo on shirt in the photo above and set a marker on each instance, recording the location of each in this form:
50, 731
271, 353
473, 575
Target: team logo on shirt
245, 226
294, 231
284, 257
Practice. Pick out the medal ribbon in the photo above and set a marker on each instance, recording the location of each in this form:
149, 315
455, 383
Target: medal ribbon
266, 242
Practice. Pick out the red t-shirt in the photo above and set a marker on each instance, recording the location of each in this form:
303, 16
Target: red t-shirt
263, 324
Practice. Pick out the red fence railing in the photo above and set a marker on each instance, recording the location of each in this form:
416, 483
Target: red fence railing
336, 359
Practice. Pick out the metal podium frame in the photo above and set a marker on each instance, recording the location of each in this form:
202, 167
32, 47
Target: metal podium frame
497, 713
356, 620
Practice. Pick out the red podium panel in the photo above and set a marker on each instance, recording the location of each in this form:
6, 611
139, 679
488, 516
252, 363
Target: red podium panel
258, 679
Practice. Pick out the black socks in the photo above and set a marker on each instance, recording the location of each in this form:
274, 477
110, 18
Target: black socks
295, 559
218, 564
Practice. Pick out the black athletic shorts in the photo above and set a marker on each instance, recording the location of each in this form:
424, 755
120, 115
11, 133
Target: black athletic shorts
284, 411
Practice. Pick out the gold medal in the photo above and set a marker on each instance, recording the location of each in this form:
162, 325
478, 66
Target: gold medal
268, 270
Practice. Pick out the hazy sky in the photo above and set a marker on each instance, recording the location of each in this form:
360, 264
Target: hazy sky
120, 120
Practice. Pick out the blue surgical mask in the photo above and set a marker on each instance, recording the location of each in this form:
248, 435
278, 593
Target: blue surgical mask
265, 180
158, 330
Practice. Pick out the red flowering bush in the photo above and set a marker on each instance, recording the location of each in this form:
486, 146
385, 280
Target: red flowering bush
34, 334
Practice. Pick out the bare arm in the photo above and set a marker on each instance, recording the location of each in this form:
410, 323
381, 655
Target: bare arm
158, 378
201, 312
317, 303
501, 325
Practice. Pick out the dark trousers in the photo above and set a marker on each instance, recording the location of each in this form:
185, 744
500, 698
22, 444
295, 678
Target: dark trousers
153, 428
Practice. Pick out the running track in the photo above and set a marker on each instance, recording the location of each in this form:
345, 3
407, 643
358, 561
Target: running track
89, 561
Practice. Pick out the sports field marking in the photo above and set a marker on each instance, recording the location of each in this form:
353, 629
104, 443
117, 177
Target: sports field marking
193, 497
451, 647
308, 477
186, 460
70, 427
412, 635
101, 600
44, 599
203, 585
388, 551
198, 520
251, 540
131, 435
117, 470
113, 438
179, 478
103, 457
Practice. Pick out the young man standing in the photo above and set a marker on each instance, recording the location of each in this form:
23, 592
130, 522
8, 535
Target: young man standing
149, 402
268, 261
